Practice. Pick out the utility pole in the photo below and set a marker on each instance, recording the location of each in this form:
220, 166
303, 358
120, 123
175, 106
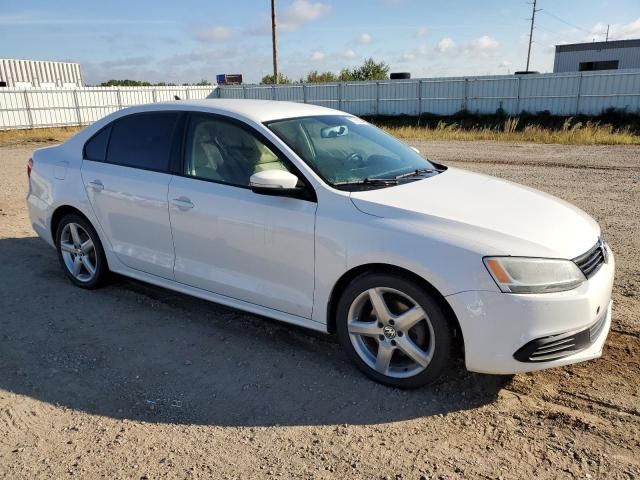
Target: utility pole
274, 39
533, 21
607, 39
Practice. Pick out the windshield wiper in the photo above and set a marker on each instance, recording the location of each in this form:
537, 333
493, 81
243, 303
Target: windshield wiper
369, 181
416, 173
389, 181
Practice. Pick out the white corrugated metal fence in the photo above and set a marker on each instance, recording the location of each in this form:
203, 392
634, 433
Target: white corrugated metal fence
35, 108
560, 94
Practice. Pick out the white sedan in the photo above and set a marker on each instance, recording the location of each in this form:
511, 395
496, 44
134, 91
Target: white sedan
315, 217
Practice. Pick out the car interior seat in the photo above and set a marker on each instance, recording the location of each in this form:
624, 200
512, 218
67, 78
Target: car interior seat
205, 157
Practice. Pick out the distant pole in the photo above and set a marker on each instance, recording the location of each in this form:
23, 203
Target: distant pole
607, 39
533, 21
274, 39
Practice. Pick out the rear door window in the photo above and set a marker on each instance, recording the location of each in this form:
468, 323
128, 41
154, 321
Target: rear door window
143, 140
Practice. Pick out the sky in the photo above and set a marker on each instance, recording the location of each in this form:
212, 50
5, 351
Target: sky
190, 40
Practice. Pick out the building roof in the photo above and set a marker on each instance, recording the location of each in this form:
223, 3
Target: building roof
581, 47
39, 61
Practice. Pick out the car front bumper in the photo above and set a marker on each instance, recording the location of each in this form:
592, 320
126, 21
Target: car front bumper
498, 327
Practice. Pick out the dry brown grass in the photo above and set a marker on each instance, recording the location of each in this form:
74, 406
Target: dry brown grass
36, 135
588, 133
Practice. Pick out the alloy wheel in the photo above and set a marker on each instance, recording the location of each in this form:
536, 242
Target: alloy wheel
391, 332
78, 252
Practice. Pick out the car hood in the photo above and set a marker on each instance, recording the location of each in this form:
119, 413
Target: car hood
487, 214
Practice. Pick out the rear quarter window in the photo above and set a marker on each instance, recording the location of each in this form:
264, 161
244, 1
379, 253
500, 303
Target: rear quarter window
96, 147
142, 141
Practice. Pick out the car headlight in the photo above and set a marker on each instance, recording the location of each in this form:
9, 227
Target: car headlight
533, 275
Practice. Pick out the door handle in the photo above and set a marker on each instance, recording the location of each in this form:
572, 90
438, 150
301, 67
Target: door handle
96, 185
183, 203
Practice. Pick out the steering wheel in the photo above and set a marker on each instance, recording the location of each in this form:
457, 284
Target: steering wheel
356, 157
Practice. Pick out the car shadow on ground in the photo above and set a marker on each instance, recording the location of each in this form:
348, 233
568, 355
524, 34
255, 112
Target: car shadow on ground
134, 351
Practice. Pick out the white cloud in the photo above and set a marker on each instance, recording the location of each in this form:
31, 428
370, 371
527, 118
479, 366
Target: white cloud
193, 66
485, 43
407, 57
318, 56
349, 53
617, 31
300, 13
484, 46
214, 33
446, 44
505, 64
421, 31
363, 39
423, 49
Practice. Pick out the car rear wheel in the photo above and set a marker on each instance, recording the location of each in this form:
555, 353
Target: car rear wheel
80, 252
395, 332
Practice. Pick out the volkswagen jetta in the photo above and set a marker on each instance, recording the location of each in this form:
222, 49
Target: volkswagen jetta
315, 217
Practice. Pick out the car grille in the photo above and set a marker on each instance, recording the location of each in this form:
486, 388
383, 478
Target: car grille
596, 328
555, 347
590, 262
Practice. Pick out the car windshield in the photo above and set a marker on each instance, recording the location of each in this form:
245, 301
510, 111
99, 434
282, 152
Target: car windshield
346, 151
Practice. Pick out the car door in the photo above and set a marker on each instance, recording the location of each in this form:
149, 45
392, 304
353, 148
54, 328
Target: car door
230, 240
126, 175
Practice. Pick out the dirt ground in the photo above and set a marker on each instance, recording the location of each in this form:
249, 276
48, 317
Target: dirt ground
133, 381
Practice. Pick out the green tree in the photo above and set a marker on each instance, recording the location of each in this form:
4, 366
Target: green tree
345, 75
319, 77
125, 83
369, 70
202, 83
268, 79
134, 83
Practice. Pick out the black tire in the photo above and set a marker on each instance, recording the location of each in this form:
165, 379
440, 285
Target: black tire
442, 332
101, 268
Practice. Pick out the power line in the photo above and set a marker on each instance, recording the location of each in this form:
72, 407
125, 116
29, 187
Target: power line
564, 21
590, 32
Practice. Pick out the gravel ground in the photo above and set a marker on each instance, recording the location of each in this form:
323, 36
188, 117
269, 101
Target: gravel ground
133, 381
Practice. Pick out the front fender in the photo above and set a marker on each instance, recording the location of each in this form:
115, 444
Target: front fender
347, 238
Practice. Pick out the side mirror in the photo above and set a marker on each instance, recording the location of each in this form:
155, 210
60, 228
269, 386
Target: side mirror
274, 182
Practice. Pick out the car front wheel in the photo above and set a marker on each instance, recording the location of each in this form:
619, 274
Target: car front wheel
395, 332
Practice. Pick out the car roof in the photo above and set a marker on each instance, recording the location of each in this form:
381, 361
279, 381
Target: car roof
256, 110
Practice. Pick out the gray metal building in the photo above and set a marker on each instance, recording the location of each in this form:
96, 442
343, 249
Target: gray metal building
40, 74
584, 57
